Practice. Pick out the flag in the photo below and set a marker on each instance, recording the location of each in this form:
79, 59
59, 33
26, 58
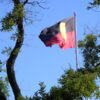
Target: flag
62, 34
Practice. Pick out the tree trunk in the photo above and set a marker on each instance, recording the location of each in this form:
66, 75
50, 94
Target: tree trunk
12, 58
2, 96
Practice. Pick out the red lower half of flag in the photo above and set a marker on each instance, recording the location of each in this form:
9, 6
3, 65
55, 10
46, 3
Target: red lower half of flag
59, 40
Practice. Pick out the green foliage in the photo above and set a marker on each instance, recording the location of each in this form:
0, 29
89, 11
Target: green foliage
7, 23
56, 93
90, 50
20, 98
81, 84
18, 11
94, 3
40, 94
3, 81
91, 70
97, 94
14, 36
4, 86
42, 89
77, 85
72, 86
7, 50
26, 98
11, 19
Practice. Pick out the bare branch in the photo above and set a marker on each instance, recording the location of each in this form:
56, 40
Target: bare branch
37, 3
25, 2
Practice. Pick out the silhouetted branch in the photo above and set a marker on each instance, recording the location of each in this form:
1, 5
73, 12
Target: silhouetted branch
25, 2
37, 3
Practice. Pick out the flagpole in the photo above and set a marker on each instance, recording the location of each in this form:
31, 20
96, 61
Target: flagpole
76, 44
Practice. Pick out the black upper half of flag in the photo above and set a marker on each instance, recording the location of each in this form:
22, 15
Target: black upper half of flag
50, 32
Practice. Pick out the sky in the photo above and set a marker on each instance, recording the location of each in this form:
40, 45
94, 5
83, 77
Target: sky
38, 63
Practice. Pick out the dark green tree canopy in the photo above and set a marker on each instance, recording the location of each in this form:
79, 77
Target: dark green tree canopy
72, 85
14, 20
90, 49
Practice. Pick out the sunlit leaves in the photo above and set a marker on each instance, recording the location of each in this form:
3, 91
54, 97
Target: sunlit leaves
7, 23
4, 85
78, 84
72, 86
18, 11
11, 19
90, 49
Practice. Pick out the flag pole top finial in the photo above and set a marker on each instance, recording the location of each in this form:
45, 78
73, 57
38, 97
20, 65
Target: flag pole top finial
74, 14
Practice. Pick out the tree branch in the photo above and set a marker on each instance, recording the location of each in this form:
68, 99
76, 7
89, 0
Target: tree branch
16, 1
12, 58
25, 2
37, 3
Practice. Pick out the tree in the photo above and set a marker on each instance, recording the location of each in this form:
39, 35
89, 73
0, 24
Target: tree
90, 49
77, 85
41, 93
72, 86
3, 85
15, 20
81, 84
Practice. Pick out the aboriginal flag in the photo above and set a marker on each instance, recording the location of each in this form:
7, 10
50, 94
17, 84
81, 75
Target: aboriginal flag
62, 34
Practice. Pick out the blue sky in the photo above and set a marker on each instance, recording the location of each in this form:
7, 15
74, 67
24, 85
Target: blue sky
38, 63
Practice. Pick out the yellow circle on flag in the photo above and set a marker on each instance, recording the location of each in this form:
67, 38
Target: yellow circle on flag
63, 30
